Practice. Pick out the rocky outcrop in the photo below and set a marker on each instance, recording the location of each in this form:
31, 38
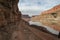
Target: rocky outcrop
9, 18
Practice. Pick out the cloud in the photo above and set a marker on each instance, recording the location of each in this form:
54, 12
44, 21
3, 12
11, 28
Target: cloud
36, 5
30, 8
39, 2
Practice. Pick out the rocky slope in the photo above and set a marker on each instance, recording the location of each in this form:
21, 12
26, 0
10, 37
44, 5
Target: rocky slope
50, 18
53, 9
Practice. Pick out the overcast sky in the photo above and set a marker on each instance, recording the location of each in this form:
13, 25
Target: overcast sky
35, 7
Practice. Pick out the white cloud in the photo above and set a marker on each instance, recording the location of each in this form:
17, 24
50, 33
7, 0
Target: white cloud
36, 5
30, 8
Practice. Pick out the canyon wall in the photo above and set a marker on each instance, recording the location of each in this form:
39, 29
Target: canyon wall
50, 18
12, 27
9, 18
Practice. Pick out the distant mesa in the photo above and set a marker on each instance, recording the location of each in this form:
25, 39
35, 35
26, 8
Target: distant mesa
26, 17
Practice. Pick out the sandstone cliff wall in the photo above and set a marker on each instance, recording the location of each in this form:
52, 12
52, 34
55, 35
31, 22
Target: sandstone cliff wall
9, 18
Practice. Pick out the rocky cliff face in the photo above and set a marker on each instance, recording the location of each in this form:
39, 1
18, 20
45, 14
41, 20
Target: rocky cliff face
9, 18
50, 18
9, 12
54, 9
